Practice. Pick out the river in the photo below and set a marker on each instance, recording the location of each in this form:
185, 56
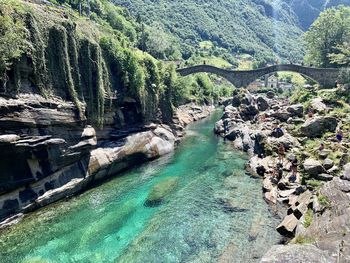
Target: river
215, 212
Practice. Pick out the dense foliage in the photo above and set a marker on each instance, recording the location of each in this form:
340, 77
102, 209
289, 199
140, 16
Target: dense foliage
88, 55
264, 29
328, 38
12, 37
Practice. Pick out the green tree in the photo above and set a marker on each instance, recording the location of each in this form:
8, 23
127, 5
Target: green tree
343, 55
12, 37
326, 34
158, 42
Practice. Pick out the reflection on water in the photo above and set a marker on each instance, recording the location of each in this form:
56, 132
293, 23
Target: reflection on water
215, 212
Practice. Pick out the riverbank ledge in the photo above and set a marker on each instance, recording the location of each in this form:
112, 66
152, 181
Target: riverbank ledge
313, 205
47, 153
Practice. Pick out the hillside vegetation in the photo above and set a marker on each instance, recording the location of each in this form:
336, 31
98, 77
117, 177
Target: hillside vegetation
88, 58
263, 29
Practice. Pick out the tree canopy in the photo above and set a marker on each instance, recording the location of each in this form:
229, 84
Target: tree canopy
327, 40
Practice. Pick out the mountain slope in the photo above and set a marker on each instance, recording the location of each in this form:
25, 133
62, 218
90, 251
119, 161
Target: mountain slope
256, 27
308, 10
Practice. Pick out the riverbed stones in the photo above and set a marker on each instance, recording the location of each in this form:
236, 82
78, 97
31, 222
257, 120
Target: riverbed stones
317, 126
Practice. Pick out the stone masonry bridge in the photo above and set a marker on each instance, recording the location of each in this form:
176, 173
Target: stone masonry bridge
325, 77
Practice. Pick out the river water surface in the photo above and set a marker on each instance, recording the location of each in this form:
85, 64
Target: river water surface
215, 212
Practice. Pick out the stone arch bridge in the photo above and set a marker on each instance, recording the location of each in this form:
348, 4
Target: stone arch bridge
325, 77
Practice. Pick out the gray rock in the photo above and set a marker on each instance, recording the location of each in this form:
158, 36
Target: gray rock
219, 127
281, 115
270, 94
329, 229
346, 174
317, 126
262, 104
324, 177
296, 110
9, 138
295, 121
328, 164
288, 225
248, 112
296, 254
344, 159
275, 107
318, 105
313, 167
334, 170
323, 154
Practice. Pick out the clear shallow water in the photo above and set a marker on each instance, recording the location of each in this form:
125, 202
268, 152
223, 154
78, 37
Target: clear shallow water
216, 212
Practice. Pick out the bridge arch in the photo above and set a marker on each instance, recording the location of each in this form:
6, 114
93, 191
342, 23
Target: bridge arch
325, 77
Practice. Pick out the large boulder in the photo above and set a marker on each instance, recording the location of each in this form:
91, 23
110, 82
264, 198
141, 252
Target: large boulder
346, 174
270, 94
241, 136
242, 98
318, 105
296, 253
248, 112
219, 127
262, 104
296, 110
328, 163
317, 126
281, 115
288, 225
313, 167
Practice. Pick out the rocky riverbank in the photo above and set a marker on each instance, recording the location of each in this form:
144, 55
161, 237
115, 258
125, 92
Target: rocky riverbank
313, 205
48, 153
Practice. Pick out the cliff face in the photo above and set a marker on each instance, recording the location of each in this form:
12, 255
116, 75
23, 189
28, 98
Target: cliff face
77, 106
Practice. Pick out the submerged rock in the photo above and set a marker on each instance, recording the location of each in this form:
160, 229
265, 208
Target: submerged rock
161, 190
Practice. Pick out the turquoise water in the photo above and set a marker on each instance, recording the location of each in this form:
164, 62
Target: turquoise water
214, 213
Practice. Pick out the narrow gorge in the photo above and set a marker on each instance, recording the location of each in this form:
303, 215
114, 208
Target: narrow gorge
157, 131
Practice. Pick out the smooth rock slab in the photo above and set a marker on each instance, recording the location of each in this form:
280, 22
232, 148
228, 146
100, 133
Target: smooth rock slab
296, 254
